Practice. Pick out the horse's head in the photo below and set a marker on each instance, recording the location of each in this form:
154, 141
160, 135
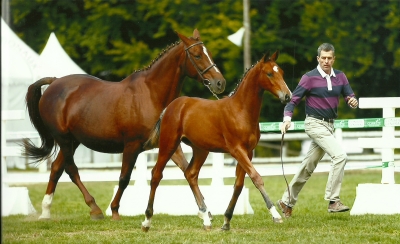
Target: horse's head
272, 78
201, 64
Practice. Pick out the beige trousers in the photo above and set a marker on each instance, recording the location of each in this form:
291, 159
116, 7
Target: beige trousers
323, 141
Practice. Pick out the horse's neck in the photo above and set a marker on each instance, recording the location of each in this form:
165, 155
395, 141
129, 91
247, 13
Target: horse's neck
165, 76
249, 95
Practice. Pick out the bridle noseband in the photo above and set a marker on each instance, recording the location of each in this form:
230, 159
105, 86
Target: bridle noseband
206, 82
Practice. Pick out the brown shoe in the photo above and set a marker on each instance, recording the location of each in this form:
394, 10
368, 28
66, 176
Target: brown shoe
337, 207
286, 210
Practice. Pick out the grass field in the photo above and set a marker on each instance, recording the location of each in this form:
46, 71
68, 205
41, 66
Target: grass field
310, 223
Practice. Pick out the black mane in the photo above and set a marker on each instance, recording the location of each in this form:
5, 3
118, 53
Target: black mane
159, 56
240, 81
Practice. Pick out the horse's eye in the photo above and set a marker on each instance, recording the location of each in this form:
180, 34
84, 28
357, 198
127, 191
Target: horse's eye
269, 75
197, 56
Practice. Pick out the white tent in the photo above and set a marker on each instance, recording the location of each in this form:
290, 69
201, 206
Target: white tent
18, 69
55, 62
21, 66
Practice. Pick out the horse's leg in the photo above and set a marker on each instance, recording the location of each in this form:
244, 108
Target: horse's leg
244, 160
65, 161
237, 189
192, 176
179, 159
72, 171
129, 156
164, 154
57, 168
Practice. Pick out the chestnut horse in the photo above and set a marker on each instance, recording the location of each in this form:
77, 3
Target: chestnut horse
112, 117
229, 125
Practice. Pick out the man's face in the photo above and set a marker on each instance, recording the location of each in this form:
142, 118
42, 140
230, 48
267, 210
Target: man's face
326, 60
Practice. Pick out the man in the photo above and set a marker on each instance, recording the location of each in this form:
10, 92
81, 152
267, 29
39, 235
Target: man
322, 88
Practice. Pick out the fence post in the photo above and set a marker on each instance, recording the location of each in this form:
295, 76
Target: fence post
381, 198
141, 170
218, 169
388, 153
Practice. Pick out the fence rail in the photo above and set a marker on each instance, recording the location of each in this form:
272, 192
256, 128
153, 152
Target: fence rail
338, 124
270, 133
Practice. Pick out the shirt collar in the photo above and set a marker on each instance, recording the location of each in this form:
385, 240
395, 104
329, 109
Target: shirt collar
323, 74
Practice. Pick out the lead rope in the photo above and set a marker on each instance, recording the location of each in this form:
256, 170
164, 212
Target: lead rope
283, 170
208, 86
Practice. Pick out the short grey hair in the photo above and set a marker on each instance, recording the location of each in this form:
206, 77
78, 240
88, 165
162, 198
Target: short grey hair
326, 47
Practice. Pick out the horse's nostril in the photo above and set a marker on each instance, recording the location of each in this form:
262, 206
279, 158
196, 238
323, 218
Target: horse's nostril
287, 97
219, 83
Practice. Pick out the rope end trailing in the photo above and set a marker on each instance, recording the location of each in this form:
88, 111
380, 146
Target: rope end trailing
283, 170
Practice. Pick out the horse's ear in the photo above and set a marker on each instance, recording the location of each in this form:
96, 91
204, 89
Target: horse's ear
266, 57
196, 34
185, 39
274, 56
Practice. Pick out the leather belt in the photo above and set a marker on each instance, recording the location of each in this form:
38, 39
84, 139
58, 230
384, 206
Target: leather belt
321, 118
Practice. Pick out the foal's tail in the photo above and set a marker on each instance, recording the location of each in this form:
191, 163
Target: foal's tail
32, 102
154, 136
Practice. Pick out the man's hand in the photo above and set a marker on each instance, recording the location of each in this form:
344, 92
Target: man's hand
352, 101
285, 126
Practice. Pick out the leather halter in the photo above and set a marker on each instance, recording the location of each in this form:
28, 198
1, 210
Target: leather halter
206, 82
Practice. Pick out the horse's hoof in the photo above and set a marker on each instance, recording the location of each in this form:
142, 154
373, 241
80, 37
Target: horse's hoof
277, 220
116, 217
44, 218
226, 227
145, 228
207, 227
97, 216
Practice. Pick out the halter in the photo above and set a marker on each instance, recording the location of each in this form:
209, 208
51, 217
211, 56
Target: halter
206, 82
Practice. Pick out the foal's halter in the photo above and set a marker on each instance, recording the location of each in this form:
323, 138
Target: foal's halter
206, 82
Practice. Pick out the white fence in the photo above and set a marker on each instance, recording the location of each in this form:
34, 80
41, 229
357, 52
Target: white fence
88, 159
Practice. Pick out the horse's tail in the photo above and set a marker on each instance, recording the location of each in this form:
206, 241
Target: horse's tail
154, 136
32, 102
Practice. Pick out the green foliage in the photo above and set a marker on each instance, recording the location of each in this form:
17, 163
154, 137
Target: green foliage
110, 39
310, 223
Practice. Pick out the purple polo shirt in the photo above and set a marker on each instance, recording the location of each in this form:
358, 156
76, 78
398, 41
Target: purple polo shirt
319, 100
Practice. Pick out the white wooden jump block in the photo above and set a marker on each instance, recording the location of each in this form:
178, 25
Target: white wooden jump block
14, 200
179, 199
380, 198
377, 199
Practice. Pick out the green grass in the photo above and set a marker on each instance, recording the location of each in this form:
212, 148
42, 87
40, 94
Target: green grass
310, 223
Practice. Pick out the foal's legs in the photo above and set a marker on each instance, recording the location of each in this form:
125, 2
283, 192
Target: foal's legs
180, 160
164, 154
237, 189
65, 161
245, 166
192, 176
129, 156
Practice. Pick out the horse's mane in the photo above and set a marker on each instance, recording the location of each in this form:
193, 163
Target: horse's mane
164, 51
240, 81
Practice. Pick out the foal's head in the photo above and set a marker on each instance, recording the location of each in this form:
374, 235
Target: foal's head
201, 64
272, 78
